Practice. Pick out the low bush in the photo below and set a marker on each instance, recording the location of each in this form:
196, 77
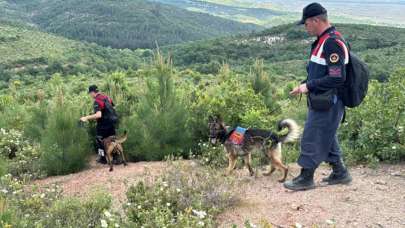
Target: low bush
375, 131
24, 207
187, 195
19, 156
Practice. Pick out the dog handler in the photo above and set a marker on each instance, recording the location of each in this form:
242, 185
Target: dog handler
326, 72
105, 127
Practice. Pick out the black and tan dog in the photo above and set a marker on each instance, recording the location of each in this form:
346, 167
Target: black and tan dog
264, 140
113, 145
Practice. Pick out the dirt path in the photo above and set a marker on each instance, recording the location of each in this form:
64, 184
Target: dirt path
98, 177
376, 198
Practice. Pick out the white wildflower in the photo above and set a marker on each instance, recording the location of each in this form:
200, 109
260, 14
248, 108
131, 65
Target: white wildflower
178, 189
394, 147
116, 225
200, 214
201, 223
42, 195
4, 191
104, 223
168, 204
165, 184
107, 214
139, 207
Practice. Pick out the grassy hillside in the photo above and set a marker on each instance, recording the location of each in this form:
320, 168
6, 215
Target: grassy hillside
27, 52
285, 50
126, 23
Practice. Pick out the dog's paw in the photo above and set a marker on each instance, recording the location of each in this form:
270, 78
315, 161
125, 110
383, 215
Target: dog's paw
111, 169
125, 164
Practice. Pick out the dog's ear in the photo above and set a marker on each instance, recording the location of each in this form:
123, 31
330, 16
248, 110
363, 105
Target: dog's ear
219, 118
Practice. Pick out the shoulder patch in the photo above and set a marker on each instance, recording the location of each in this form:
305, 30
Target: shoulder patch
334, 58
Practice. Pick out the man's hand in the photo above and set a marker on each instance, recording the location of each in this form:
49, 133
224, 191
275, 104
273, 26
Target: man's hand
83, 119
299, 89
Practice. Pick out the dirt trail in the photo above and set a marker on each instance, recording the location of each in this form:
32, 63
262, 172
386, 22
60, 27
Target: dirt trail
98, 177
376, 198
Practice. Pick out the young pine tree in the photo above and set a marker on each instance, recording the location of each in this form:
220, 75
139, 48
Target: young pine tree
159, 126
65, 146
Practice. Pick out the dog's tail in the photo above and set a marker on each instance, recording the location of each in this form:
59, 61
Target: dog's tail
293, 130
122, 138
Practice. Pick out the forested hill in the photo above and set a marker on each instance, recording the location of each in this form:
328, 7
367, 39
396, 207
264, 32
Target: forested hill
285, 49
123, 24
27, 54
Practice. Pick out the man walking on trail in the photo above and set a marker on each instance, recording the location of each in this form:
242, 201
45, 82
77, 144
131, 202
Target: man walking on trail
326, 72
106, 118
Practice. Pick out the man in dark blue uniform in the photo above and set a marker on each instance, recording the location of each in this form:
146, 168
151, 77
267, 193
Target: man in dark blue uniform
326, 73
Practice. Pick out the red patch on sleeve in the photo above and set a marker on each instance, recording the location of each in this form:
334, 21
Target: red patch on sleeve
335, 71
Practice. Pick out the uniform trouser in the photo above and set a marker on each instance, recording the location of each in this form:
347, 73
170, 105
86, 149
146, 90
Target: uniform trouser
102, 133
319, 142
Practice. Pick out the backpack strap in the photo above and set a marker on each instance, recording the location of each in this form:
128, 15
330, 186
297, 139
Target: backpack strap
101, 99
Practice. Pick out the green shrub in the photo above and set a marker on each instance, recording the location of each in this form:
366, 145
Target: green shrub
36, 124
65, 146
73, 212
21, 206
186, 196
375, 130
158, 127
19, 156
213, 156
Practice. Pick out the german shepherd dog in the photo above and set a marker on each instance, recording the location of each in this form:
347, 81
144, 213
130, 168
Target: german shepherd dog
267, 141
113, 144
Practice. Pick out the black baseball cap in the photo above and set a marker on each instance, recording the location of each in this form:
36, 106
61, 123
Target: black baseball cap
93, 88
312, 10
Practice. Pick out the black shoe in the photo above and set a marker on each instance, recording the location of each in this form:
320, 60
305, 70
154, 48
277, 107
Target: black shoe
304, 181
339, 175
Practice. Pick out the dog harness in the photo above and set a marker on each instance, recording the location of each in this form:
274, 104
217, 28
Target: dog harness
237, 136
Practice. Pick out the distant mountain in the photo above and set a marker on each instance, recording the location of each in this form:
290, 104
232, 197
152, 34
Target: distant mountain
275, 12
123, 24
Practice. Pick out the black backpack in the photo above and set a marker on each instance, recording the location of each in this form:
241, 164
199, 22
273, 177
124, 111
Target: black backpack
356, 84
110, 113
355, 87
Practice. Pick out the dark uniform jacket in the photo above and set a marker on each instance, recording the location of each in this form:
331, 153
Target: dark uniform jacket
329, 55
104, 127
326, 71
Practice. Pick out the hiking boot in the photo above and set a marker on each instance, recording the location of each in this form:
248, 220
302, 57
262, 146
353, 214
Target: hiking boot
339, 175
304, 181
